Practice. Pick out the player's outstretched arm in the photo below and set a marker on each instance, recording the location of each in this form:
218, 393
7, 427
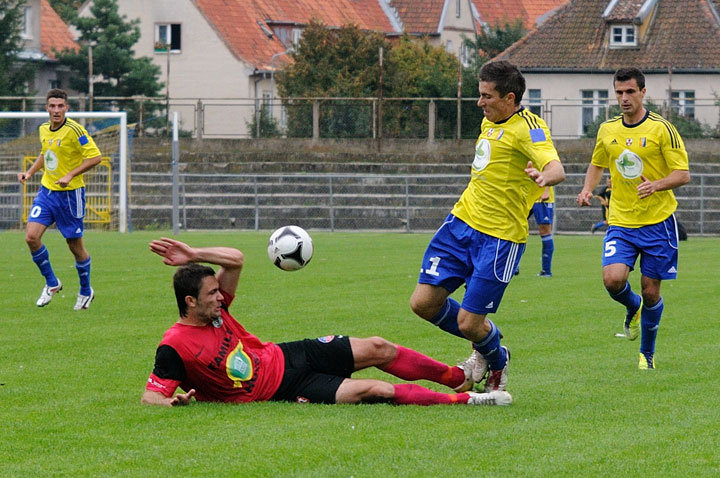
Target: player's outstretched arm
592, 179
156, 398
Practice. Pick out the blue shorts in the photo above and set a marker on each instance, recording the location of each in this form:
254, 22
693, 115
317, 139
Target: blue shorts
657, 245
543, 212
64, 208
459, 254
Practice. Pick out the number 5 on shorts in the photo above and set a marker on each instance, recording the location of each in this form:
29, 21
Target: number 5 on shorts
610, 249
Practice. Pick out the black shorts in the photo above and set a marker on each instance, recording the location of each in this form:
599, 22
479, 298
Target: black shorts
314, 369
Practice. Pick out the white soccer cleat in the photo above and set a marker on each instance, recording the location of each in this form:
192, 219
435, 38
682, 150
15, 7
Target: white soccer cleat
497, 379
47, 294
474, 367
496, 397
83, 301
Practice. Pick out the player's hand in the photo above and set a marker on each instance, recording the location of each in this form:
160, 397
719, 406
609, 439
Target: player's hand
182, 398
584, 198
535, 175
645, 188
22, 177
64, 181
174, 253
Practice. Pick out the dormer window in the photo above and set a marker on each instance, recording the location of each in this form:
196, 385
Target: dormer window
623, 35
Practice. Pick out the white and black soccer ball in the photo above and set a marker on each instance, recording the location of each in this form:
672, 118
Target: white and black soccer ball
290, 248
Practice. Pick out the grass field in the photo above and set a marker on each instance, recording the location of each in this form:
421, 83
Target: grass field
70, 382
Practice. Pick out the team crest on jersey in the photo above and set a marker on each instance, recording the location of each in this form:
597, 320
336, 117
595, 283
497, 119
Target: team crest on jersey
50, 143
327, 339
490, 132
51, 160
629, 165
238, 366
643, 142
628, 141
482, 155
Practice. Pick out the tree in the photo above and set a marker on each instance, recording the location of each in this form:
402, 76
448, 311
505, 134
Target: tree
117, 71
67, 9
14, 74
492, 41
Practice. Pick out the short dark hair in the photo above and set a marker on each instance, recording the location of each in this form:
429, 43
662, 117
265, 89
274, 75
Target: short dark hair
187, 282
56, 93
506, 76
627, 74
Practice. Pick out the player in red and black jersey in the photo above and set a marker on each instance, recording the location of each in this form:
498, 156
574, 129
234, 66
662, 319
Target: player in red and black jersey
211, 357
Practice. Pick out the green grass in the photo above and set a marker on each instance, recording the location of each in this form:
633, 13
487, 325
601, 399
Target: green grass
71, 382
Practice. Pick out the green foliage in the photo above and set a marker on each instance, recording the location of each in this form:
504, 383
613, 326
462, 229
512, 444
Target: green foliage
268, 125
14, 74
67, 9
70, 382
116, 71
492, 41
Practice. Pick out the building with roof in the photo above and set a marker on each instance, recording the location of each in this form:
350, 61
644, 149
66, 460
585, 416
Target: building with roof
44, 33
227, 49
569, 60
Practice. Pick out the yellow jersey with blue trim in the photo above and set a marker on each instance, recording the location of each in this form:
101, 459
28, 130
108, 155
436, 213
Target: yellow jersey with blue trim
63, 150
651, 148
500, 194
551, 194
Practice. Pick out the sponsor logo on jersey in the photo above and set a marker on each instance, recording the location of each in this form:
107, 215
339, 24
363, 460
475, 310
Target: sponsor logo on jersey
490, 305
672, 270
614, 141
327, 339
629, 164
51, 160
482, 155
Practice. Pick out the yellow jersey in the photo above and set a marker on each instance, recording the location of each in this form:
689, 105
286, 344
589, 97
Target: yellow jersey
500, 194
652, 148
551, 194
63, 150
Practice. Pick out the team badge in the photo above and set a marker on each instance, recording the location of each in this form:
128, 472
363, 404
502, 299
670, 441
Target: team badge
50, 143
628, 142
643, 142
629, 165
482, 155
58, 143
501, 133
490, 132
327, 339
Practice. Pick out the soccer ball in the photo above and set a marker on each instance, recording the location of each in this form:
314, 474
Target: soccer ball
290, 248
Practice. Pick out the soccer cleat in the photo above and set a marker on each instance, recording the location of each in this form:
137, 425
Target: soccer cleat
496, 397
646, 361
83, 301
47, 294
497, 379
632, 324
544, 274
474, 367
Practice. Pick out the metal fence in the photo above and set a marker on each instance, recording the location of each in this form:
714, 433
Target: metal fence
405, 118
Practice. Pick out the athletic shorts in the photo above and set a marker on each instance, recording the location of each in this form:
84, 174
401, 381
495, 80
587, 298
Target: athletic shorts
64, 208
543, 212
459, 254
656, 244
314, 369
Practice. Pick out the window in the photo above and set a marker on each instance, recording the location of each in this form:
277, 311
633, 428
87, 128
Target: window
594, 105
296, 36
457, 8
535, 101
464, 56
167, 34
27, 30
55, 84
683, 103
623, 35
449, 46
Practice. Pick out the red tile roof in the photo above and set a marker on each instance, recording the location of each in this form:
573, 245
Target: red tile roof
54, 33
625, 11
493, 12
683, 35
242, 24
419, 16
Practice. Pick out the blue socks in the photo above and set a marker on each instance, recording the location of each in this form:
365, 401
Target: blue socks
83, 269
447, 318
548, 247
41, 258
629, 299
649, 323
490, 349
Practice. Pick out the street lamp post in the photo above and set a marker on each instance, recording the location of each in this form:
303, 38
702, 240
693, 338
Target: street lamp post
272, 75
91, 92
